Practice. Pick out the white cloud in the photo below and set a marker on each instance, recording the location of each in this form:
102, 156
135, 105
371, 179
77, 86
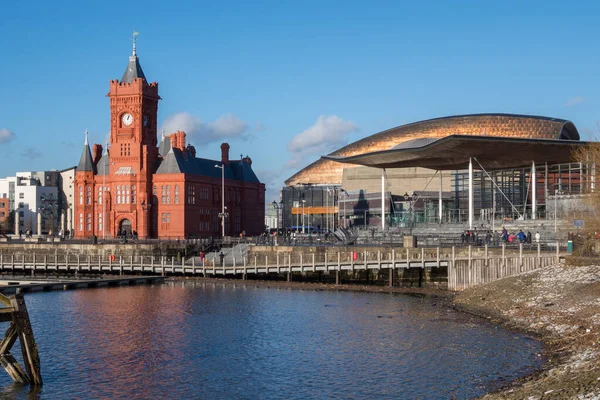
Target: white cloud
6, 135
327, 134
574, 101
227, 126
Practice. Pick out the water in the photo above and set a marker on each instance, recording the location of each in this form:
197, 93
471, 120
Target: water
187, 340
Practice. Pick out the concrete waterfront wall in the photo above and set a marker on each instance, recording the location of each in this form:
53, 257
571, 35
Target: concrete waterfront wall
104, 250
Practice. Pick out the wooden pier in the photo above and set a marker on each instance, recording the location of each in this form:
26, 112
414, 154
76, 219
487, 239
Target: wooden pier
13, 310
462, 272
22, 284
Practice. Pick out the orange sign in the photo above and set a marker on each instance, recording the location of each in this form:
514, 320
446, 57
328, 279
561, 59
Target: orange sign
315, 210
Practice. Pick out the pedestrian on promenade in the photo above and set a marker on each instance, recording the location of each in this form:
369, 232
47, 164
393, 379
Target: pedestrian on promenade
537, 237
222, 258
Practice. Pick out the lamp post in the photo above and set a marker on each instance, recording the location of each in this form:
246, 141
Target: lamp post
106, 163
556, 193
222, 215
303, 201
409, 199
308, 216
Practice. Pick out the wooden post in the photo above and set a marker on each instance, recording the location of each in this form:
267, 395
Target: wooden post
557, 253
487, 260
289, 274
20, 327
422, 257
337, 271
313, 262
503, 254
520, 255
391, 269
539, 255
407, 258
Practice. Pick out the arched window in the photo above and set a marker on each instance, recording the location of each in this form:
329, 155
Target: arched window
133, 194
88, 195
126, 197
118, 194
80, 194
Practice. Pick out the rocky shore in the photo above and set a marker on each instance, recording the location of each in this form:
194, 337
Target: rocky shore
560, 305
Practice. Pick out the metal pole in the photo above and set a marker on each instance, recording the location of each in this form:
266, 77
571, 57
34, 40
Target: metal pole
471, 206
223, 201
103, 197
302, 217
383, 199
440, 204
327, 209
533, 192
555, 209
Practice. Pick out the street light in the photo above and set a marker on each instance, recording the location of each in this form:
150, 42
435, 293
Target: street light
410, 209
556, 193
303, 201
222, 214
104, 193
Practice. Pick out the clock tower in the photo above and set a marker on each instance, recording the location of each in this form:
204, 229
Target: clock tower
133, 147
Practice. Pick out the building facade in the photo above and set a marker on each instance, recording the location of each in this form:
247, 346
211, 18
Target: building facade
36, 206
159, 190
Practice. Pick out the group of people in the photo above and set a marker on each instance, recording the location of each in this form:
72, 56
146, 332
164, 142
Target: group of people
496, 238
123, 234
61, 234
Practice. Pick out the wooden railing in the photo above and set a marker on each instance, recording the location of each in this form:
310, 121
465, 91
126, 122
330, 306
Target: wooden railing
463, 271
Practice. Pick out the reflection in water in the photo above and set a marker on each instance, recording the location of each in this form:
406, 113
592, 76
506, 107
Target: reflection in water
206, 340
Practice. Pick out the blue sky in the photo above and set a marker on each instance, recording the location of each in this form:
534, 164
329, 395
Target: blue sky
287, 81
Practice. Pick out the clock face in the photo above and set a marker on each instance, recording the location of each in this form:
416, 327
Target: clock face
146, 120
127, 119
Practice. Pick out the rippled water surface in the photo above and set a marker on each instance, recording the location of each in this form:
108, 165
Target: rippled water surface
201, 340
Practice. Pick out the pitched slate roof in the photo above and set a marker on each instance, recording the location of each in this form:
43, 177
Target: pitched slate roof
164, 146
133, 71
176, 162
102, 165
85, 161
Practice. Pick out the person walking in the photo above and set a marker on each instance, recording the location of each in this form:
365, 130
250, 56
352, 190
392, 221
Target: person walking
537, 237
222, 258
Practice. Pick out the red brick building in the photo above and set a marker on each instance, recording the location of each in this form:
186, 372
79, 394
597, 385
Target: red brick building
159, 190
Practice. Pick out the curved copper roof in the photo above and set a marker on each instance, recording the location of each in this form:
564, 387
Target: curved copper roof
496, 125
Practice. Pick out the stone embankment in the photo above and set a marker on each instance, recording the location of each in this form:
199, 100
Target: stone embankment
559, 305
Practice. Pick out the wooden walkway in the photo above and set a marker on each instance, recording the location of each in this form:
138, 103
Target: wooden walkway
21, 285
463, 272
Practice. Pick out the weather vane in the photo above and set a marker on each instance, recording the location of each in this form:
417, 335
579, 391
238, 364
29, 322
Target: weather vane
135, 33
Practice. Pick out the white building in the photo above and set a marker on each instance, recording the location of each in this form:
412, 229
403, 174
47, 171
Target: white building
42, 199
67, 196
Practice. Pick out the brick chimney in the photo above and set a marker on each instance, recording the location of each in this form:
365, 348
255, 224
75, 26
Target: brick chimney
96, 153
225, 153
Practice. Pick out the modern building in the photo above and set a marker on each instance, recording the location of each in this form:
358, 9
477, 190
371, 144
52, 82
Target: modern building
436, 190
67, 197
5, 226
36, 206
160, 190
